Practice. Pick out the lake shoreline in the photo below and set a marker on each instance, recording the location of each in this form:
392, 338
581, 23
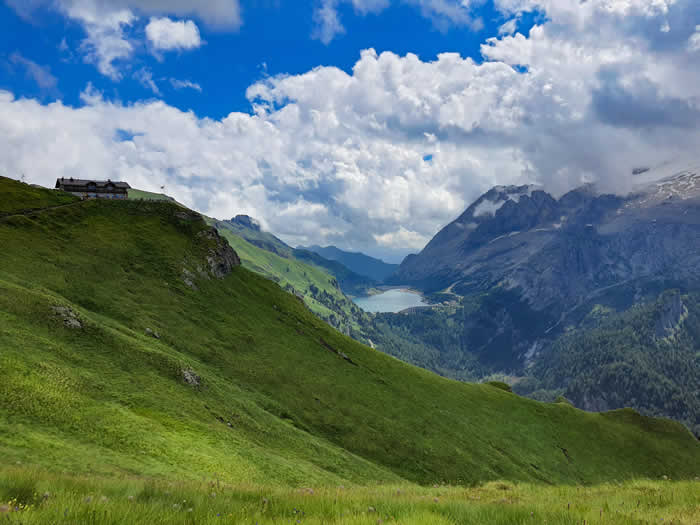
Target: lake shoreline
377, 290
391, 299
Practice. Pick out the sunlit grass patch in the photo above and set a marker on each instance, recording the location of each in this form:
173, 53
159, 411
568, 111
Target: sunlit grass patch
60, 498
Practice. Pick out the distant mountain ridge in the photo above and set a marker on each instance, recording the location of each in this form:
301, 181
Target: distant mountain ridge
358, 262
249, 228
558, 251
540, 278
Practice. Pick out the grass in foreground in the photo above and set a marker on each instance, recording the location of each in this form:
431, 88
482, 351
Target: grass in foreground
28, 497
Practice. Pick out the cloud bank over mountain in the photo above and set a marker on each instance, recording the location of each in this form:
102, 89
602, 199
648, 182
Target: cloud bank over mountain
380, 158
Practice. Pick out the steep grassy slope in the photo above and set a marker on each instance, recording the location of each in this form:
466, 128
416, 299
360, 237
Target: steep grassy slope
246, 227
317, 281
274, 394
319, 290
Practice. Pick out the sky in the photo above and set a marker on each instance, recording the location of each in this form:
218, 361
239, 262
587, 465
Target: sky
367, 124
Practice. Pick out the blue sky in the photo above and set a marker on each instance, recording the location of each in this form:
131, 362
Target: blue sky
368, 124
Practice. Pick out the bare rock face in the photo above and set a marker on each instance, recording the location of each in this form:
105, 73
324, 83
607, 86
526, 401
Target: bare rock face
69, 317
247, 222
151, 333
191, 378
222, 259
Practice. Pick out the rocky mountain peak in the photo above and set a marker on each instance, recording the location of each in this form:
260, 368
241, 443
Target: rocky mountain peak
246, 221
493, 200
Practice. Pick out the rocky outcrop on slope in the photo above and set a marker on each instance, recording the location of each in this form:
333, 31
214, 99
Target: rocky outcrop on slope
222, 259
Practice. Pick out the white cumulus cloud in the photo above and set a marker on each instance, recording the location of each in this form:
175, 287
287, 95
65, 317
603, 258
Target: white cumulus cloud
106, 41
165, 34
694, 40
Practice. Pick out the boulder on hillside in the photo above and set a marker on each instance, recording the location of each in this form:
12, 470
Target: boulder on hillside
68, 316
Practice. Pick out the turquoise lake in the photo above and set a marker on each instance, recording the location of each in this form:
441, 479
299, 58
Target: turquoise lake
393, 300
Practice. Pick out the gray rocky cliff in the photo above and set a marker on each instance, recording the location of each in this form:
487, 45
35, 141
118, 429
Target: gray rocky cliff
221, 259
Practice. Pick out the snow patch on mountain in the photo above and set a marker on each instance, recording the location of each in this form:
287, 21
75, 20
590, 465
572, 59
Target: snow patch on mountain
502, 194
488, 207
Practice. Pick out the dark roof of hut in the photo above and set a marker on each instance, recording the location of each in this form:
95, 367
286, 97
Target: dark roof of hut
100, 184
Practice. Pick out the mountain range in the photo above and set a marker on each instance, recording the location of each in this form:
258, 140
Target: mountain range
357, 262
590, 295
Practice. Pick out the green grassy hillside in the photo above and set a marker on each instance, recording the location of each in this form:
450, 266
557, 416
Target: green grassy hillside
244, 382
17, 197
318, 286
247, 228
149, 196
319, 290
